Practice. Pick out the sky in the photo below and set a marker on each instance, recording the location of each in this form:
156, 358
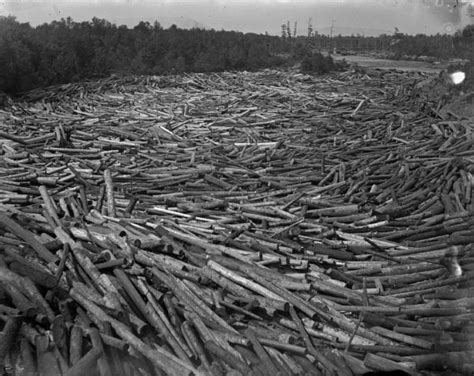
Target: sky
367, 17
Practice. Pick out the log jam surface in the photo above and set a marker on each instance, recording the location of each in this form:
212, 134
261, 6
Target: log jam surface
236, 223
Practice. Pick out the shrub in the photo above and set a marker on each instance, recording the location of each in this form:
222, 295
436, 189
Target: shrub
320, 64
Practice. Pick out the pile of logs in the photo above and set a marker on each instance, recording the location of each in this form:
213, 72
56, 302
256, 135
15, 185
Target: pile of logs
236, 224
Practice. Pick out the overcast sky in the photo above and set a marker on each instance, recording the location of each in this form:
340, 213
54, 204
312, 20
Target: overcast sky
367, 17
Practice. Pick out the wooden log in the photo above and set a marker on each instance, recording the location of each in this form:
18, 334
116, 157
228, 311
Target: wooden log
49, 205
27, 357
261, 353
162, 323
157, 356
327, 364
97, 344
28, 237
380, 363
26, 292
192, 301
47, 361
234, 362
195, 344
8, 335
19, 265
75, 344
242, 281
109, 187
452, 360
86, 363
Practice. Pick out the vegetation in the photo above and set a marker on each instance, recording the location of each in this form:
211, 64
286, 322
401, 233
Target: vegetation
461, 45
65, 51
421, 46
318, 63
399, 45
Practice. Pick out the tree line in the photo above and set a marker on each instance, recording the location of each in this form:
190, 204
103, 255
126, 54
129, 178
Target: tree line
398, 45
66, 51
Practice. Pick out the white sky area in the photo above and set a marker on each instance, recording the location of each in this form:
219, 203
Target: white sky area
368, 17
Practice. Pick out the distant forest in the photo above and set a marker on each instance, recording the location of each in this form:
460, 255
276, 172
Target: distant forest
66, 51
